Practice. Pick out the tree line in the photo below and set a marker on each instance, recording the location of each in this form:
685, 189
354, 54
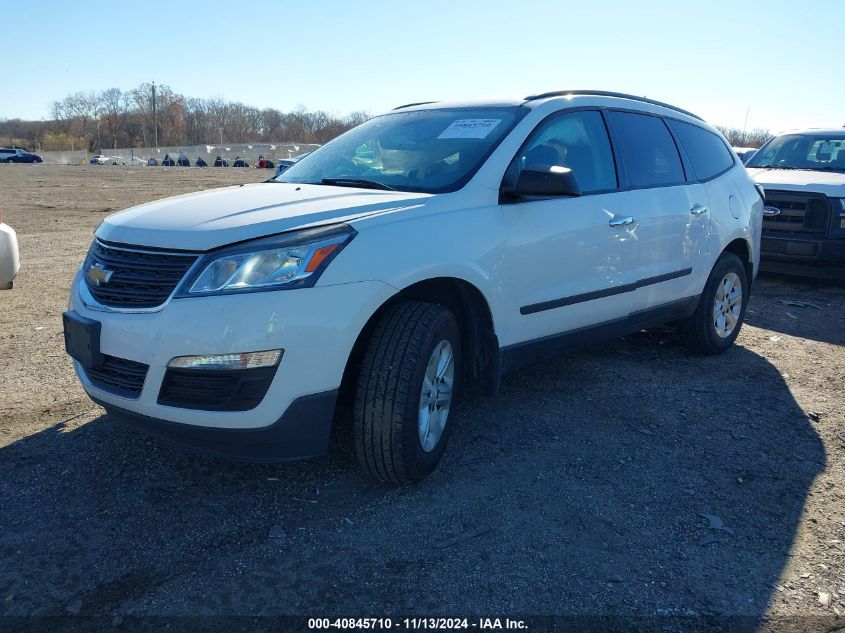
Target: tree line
738, 137
95, 121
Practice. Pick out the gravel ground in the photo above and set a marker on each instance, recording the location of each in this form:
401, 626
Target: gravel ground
628, 480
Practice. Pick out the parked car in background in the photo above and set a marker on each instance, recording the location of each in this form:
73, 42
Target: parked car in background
134, 161
284, 163
744, 153
11, 148
102, 159
16, 155
422, 253
9, 257
803, 175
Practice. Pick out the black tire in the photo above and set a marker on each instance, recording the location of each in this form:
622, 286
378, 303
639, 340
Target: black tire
699, 331
387, 400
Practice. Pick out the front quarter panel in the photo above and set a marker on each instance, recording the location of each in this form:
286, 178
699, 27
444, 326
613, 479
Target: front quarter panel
458, 236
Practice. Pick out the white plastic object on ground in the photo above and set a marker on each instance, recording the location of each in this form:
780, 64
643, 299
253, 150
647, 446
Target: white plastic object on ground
9, 257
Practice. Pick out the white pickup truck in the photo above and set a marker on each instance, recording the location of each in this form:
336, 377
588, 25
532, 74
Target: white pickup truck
803, 174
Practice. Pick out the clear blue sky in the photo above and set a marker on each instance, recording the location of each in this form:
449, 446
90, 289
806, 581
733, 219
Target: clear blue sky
780, 61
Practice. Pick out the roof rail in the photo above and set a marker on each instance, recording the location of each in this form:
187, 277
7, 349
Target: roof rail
605, 93
408, 105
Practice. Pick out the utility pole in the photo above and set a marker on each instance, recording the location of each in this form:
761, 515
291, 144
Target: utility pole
745, 125
155, 117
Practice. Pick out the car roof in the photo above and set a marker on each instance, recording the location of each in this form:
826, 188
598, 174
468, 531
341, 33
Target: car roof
817, 131
469, 103
581, 97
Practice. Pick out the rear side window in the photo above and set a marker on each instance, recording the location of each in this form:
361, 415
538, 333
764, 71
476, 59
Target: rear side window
647, 148
707, 153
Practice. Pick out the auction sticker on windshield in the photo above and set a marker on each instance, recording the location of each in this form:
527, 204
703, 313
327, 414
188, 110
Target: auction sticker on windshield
470, 128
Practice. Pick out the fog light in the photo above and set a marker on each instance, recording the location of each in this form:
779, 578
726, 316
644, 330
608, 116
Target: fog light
248, 360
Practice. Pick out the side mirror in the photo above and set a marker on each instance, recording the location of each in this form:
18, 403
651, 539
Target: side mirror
546, 180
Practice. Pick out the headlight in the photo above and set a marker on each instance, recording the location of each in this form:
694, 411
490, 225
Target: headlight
291, 260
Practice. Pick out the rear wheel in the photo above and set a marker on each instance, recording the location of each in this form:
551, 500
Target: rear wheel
407, 387
714, 326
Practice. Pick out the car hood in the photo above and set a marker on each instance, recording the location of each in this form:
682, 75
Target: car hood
830, 183
209, 219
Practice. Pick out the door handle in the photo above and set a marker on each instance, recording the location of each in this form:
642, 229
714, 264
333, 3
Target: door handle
698, 210
620, 220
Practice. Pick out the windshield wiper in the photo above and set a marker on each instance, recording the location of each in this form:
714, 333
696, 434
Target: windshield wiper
356, 182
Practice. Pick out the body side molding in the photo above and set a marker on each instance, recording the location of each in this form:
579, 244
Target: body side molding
600, 294
518, 354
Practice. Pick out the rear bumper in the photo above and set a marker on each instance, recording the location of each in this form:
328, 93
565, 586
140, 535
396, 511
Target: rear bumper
302, 432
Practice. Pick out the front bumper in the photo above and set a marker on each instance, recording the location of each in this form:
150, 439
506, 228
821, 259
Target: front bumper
303, 431
316, 327
821, 258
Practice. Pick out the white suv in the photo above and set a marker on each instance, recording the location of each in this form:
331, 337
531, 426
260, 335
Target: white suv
423, 253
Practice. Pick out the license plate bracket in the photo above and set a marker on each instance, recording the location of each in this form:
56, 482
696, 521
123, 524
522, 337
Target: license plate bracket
82, 339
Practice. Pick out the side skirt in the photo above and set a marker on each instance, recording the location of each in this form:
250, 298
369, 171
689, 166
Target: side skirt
519, 354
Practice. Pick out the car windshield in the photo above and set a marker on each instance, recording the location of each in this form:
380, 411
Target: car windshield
802, 151
431, 151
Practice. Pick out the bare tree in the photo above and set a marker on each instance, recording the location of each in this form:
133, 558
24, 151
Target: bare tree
743, 138
166, 114
78, 113
114, 105
117, 118
197, 122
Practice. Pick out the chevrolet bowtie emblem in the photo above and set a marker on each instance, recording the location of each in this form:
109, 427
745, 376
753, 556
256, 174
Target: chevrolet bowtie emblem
98, 275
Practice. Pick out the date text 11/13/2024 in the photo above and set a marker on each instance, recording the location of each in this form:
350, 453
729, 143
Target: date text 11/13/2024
483, 624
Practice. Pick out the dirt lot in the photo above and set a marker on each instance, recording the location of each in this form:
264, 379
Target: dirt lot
627, 480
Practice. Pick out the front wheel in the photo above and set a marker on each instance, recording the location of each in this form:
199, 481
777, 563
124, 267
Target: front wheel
714, 326
407, 387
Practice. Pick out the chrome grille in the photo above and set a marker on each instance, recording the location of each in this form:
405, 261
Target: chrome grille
136, 277
799, 212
